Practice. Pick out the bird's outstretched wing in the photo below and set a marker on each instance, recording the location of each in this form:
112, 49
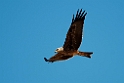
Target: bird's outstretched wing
74, 34
58, 57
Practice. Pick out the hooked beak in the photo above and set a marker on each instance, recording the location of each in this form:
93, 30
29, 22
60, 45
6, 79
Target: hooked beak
55, 52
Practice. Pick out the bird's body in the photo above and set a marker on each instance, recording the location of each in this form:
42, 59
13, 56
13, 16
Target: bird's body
72, 41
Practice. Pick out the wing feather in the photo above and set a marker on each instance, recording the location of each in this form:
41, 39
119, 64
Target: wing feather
74, 34
58, 57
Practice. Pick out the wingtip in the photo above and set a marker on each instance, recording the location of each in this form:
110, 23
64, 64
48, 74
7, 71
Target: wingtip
46, 59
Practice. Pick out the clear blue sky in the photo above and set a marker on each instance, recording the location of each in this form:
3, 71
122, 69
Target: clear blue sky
32, 29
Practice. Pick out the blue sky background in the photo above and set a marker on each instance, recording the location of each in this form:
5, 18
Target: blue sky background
32, 29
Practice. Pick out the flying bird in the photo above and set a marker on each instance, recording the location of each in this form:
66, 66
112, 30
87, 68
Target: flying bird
72, 41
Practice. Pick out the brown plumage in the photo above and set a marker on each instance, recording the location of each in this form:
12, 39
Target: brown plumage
72, 41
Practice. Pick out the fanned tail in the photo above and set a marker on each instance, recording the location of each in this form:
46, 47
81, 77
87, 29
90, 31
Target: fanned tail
86, 54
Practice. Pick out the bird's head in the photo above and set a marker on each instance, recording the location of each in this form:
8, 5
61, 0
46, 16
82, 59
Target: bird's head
59, 49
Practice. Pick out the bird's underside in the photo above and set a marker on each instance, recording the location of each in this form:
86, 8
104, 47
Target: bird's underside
72, 41
65, 56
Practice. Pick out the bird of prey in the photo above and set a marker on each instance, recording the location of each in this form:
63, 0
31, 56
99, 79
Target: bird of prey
72, 41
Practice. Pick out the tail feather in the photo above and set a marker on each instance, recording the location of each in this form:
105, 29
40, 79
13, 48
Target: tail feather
86, 54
